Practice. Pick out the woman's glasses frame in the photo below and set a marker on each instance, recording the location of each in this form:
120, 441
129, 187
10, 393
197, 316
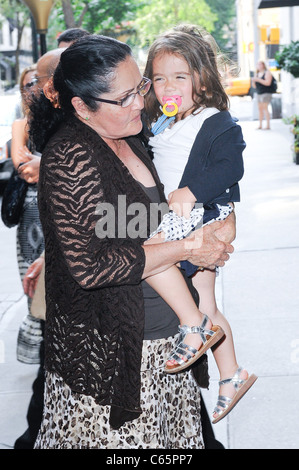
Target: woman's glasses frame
142, 89
33, 82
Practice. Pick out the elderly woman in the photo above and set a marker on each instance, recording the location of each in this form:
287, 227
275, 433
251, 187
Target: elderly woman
107, 336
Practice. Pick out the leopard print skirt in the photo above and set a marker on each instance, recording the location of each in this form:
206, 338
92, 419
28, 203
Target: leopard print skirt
170, 417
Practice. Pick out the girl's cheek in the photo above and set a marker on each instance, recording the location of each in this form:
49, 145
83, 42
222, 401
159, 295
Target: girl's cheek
158, 94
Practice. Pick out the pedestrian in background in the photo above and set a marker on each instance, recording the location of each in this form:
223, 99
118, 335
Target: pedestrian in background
30, 241
43, 70
262, 82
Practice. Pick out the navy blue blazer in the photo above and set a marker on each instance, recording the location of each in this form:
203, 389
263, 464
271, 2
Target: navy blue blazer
215, 163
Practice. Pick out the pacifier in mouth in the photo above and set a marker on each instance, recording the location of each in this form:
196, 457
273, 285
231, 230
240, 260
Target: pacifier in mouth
170, 109
171, 105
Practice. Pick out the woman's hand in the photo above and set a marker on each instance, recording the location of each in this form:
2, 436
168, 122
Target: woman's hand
29, 170
32, 275
205, 249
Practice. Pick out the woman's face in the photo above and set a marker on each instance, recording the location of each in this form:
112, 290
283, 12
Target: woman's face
112, 121
260, 66
27, 90
171, 76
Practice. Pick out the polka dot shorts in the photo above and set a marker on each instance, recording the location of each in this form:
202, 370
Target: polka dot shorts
176, 227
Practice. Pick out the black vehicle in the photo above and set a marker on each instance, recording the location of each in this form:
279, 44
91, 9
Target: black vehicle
9, 111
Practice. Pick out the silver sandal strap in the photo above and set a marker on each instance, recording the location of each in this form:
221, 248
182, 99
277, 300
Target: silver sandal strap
222, 402
182, 352
235, 380
201, 330
182, 349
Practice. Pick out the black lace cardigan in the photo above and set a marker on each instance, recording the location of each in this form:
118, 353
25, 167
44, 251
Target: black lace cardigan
95, 311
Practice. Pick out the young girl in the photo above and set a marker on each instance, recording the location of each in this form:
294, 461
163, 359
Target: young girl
198, 149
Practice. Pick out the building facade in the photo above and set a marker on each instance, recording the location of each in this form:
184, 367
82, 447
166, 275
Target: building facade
260, 34
8, 48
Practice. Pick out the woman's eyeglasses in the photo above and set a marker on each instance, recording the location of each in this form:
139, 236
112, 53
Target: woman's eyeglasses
142, 89
33, 82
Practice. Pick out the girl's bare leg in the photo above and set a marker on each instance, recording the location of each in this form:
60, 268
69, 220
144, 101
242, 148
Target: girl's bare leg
171, 286
224, 351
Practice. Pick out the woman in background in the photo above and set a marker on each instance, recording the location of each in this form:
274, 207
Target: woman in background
262, 81
30, 240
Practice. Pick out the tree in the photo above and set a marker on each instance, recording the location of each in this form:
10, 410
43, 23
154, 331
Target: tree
93, 15
288, 58
224, 27
159, 15
18, 16
96, 16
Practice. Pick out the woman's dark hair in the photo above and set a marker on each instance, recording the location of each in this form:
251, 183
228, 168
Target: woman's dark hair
203, 57
72, 34
86, 69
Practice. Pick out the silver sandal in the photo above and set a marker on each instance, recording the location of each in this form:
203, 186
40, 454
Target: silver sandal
225, 404
186, 355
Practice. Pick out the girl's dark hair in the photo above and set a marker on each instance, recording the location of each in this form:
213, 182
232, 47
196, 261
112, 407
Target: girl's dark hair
86, 69
200, 51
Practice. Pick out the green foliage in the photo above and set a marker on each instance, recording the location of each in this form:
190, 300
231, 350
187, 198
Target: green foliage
294, 122
224, 28
8, 8
157, 16
96, 16
288, 58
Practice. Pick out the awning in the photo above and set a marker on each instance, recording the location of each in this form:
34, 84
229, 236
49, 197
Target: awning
278, 3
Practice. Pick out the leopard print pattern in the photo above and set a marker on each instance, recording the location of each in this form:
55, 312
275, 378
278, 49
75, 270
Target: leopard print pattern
170, 417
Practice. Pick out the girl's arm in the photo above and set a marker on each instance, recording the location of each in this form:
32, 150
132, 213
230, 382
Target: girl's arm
182, 201
215, 162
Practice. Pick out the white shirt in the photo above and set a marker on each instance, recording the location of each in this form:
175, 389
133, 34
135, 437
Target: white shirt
172, 148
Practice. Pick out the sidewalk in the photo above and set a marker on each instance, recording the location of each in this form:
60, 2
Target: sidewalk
257, 291
15, 378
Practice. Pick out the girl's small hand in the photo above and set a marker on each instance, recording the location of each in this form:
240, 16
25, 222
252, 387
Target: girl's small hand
181, 201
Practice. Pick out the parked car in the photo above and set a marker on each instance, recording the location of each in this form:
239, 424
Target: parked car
9, 111
240, 86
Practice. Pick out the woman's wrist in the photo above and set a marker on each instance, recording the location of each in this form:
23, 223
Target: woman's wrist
161, 256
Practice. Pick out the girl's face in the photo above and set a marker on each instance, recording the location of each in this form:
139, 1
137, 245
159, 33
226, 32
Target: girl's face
171, 76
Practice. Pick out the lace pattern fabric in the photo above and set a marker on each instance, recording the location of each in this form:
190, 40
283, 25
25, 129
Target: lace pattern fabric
95, 315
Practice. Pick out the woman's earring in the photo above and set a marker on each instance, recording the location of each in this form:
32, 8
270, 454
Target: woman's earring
87, 117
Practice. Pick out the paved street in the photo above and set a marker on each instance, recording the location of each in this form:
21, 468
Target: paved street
257, 291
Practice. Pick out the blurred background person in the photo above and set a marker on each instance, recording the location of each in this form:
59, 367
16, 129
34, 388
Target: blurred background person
30, 240
262, 81
44, 69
